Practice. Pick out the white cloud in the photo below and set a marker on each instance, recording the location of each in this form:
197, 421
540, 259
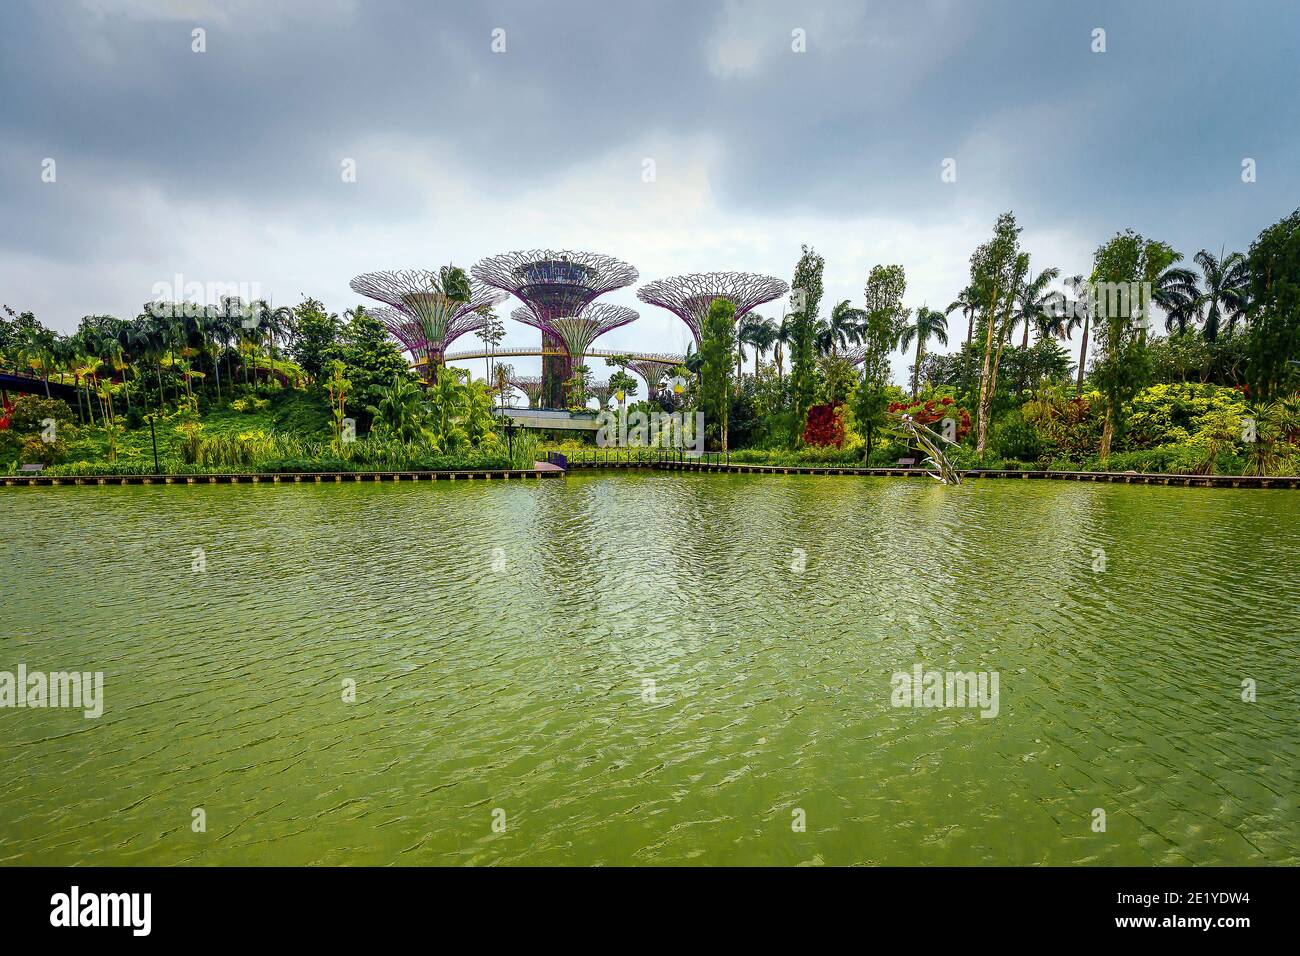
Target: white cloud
671, 226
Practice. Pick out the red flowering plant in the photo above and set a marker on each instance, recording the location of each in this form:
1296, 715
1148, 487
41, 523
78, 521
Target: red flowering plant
935, 410
825, 426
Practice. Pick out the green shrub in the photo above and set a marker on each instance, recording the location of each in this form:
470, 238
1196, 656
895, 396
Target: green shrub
1173, 414
1014, 438
303, 465
38, 451
31, 410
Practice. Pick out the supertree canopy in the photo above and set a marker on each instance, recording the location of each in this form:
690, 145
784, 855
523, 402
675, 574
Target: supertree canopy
554, 285
577, 332
653, 372
601, 391
410, 332
530, 385
439, 318
689, 297
854, 355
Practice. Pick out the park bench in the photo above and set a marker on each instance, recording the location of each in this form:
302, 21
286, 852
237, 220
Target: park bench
32, 469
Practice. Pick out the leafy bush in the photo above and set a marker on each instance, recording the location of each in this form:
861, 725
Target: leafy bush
825, 427
31, 410
37, 450
1173, 414
303, 465
1068, 428
1016, 439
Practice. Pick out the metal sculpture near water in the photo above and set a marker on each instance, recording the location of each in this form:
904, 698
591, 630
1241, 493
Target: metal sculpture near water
929, 441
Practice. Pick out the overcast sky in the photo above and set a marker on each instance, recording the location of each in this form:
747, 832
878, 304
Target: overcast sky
227, 165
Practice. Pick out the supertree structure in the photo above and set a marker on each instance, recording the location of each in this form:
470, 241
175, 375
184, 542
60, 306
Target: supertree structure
554, 285
601, 391
576, 332
530, 385
653, 371
410, 332
689, 297
854, 355
439, 319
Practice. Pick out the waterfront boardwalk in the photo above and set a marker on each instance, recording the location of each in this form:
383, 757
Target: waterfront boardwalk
547, 470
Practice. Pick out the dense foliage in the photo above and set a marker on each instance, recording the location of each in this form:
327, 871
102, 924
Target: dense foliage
1143, 363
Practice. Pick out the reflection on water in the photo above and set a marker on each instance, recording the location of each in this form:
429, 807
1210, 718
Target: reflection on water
642, 674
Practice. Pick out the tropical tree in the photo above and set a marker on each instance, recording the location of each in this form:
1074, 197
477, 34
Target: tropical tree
273, 322
998, 268
36, 349
928, 324
844, 328
781, 340
1178, 294
966, 302
1123, 361
371, 358
1224, 297
338, 387
716, 348
490, 334
761, 334
318, 335
624, 385
1032, 301
803, 371
400, 411
885, 318
1077, 315
1273, 347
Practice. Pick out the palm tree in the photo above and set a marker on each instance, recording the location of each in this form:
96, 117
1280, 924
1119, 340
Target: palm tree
782, 337
1080, 315
87, 368
1032, 301
152, 348
968, 303
36, 350
845, 327
133, 340
929, 323
742, 339
761, 335
274, 322
1224, 298
1177, 292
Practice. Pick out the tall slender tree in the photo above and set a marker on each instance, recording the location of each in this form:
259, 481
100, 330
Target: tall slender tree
928, 324
885, 319
717, 350
965, 301
1123, 362
803, 370
998, 267
1032, 300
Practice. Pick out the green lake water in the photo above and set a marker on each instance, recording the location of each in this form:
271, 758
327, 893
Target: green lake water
501, 637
